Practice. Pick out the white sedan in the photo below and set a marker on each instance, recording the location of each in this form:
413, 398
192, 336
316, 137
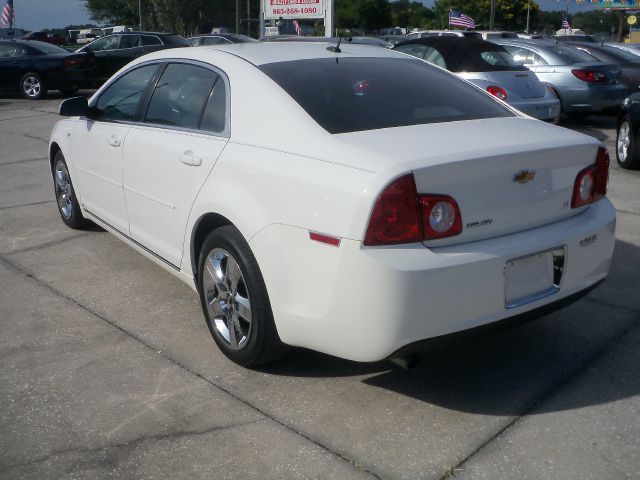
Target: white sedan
323, 198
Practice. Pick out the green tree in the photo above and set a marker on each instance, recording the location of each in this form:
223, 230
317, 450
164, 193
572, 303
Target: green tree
365, 15
405, 13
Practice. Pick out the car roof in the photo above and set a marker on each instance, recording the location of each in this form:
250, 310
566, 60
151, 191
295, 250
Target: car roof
450, 42
271, 52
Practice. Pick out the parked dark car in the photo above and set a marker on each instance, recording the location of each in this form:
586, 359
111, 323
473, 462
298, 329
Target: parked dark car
628, 135
33, 68
628, 62
47, 38
219, 39
113, 52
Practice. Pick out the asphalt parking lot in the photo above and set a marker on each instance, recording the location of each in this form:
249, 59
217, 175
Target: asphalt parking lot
107, 369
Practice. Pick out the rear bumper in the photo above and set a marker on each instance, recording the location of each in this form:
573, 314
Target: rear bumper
593, 99
547, 109
365, 304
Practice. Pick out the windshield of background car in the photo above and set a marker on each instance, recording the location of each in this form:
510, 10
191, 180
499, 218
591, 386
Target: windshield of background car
46, 48
354, 94
570, 55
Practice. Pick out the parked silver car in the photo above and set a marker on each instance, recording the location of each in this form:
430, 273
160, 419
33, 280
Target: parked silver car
583, 84
489, 67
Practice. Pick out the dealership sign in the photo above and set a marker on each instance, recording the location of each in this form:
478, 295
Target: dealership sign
274, 9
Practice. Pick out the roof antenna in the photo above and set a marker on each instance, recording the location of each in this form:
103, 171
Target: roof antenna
335, 49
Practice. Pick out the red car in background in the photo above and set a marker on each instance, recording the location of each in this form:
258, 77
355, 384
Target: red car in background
47, 37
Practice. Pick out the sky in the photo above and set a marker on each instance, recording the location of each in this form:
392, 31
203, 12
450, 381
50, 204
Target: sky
39, 14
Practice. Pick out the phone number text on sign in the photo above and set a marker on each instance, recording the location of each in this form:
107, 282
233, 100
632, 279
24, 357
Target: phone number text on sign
274, 9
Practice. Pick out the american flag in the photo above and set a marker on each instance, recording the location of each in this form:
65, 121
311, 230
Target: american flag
296, 25
461, 20
7, 14
565, 24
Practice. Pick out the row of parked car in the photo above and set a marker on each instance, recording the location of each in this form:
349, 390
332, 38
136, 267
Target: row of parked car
540, 77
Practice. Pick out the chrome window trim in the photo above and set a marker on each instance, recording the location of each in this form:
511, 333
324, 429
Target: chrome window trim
226, 133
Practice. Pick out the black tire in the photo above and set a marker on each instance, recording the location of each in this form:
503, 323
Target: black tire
262, 344
68, 206
628, 158
32, 86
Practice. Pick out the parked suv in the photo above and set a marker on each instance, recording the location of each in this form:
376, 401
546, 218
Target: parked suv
114, 51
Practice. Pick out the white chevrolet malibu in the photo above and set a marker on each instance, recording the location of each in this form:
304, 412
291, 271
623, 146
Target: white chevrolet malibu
354, 201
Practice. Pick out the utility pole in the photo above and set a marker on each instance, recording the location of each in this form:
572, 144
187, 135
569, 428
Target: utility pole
493, 15
237, 16
140, 13
528, 11
328, 19
248, 19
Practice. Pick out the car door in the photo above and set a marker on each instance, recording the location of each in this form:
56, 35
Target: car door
129, 48
13, 59
103, 51
97, 146
168, 159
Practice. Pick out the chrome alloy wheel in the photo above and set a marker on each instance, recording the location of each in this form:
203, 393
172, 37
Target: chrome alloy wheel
624, 140
31, 86
64, 193
227, 298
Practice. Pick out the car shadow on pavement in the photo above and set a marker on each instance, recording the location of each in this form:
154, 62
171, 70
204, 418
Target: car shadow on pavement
506, 372
592, 125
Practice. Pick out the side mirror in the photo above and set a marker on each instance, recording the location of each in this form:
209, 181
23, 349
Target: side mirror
75, 107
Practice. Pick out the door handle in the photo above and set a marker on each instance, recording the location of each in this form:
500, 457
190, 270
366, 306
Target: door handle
188, 158
114, 141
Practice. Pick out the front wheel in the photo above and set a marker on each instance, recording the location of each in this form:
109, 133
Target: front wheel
66, 196
32, 86
627, 153
234, 300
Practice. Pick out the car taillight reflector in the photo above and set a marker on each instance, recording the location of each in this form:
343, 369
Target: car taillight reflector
497, 91
590, 76
395, 218
591, 183
402, 216
440, 216
322, 238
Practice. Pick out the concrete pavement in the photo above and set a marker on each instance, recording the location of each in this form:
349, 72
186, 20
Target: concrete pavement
108, 370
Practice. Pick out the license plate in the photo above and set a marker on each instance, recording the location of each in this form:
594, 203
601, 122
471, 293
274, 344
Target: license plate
528, 279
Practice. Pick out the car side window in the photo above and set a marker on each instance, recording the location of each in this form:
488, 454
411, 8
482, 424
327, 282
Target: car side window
148, 40
129, 41
434, 56
120, 100
215, 113
107, 43
180, 96
524, 55
12, 51
214, 41
413, 49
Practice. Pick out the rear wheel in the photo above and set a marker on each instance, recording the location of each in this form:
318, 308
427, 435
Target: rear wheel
627, 153
234, 300
32, 86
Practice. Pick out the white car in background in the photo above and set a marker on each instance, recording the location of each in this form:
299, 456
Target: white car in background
323, 198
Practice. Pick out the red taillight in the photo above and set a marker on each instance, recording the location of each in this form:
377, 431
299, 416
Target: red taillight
71, 62
440, 216
590, 76
497, 91
395, 218
402, 216
591, 182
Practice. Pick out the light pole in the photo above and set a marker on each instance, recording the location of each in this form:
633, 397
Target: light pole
237, 16
493, 14
528, 10
140, 13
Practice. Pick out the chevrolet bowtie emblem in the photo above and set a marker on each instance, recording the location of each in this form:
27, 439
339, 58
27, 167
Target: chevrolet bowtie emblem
524, 176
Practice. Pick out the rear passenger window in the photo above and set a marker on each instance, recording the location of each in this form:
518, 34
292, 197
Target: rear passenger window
214, 116
148, 40
129, 41
180, 96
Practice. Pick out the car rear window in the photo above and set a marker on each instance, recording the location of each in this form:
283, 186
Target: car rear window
354, 94
570, 55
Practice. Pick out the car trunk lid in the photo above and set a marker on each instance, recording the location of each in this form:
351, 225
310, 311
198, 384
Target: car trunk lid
523, 83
